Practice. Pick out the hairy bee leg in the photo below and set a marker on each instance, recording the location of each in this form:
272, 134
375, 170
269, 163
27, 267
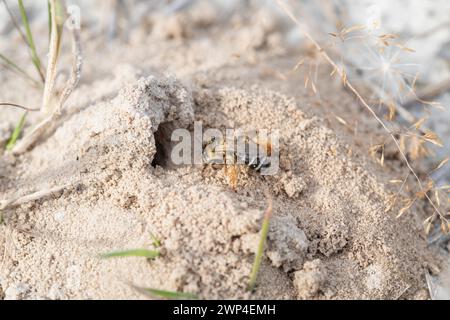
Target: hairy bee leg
237, 169
232, 172
226, 173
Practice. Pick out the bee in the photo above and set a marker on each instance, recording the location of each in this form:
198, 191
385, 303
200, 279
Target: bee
240, 150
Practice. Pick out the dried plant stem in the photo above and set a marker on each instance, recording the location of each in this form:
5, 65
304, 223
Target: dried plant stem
31, 138
303, 28
17, 201
77, 67
52, 61
441, 174
262, 242
50, 120
429, 93
14, 105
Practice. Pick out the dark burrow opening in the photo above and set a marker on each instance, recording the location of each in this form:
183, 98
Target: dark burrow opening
163, 145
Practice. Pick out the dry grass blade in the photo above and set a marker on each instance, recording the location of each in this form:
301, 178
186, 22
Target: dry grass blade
17, 201
420, 123
30, 40
60, 9
52, 60
433, 138
443, 163
429, 92
406, 208
262, 242
431, 286
427, 224
14, 105
347, 84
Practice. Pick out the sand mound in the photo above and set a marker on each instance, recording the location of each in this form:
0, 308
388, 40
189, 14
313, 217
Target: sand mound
330, 237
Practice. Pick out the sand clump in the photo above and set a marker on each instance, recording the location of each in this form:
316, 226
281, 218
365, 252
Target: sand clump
326, 207
288, 244
309, 280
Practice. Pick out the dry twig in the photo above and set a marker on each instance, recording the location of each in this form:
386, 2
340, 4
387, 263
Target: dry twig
429, 93
17, 201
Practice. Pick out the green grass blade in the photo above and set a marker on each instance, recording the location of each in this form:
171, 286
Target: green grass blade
16, 69
261, 245
49, 8
144, 253
16, 133
168, 295
59, 21
30, 40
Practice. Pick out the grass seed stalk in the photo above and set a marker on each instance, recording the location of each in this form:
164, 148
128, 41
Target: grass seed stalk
346, 82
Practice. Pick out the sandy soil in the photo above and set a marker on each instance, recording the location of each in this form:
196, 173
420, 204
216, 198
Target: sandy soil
331, 236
